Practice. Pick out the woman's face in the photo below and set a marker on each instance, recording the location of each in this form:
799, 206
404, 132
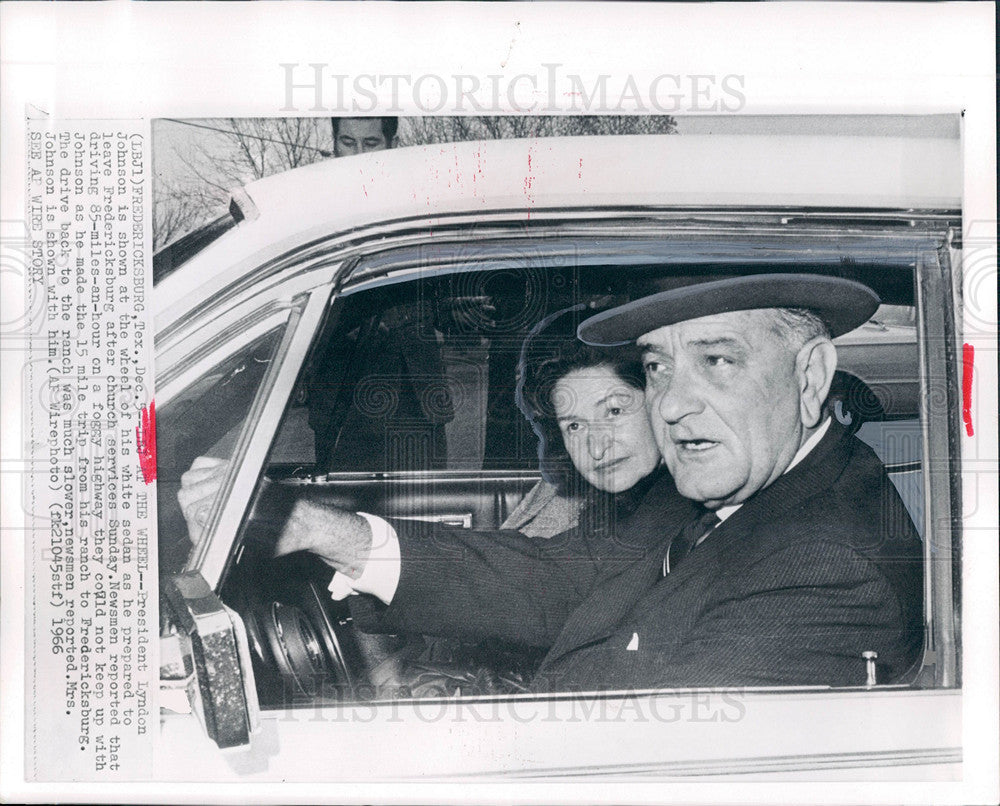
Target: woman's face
605, 429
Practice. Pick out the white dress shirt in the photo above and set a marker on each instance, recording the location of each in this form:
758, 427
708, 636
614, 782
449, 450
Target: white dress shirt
380, 576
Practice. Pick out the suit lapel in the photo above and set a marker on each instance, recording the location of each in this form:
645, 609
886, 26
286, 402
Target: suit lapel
645, 537
817, 471
662, 515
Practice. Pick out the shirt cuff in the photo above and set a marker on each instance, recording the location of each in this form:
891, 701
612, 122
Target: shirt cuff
380, 576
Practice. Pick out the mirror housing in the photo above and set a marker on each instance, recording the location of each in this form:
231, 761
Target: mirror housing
210, 658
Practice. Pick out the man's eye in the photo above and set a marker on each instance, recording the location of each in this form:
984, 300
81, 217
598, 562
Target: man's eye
718, 360
571, 427
615, 411
652, 367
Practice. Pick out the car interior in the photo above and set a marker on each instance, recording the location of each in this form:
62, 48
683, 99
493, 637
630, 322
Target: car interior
406, 408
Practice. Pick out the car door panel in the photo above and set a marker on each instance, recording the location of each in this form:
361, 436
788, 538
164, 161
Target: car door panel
470, 500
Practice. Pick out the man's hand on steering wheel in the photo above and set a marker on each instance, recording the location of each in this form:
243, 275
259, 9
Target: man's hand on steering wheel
340, 538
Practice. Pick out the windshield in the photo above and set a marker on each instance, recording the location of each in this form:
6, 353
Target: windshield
174, 255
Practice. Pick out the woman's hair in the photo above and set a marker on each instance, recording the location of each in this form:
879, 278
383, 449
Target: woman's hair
550, 352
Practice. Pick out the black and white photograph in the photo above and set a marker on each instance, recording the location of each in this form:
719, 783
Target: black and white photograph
590, 359
467, 433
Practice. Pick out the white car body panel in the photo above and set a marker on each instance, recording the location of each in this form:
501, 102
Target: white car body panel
889, 735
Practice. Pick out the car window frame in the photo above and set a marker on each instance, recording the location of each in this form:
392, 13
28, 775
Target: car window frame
933, 283
352, 277
938, 351
303, 310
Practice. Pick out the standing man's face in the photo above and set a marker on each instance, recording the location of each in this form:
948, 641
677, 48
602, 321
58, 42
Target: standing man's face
723, 395
359, 136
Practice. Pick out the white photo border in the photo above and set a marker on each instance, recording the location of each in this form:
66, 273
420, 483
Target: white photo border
187, 60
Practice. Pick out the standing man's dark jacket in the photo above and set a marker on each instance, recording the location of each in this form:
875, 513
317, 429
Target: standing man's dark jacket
791, 589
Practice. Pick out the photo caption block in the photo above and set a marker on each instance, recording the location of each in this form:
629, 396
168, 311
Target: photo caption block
91, 670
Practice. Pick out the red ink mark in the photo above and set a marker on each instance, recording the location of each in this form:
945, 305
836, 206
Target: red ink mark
579, 174
528, 180
968, 359
145, 441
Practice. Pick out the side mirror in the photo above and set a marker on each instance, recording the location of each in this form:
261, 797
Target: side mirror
206, 652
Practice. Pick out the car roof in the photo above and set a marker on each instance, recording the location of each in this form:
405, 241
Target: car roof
700, 170
529, 177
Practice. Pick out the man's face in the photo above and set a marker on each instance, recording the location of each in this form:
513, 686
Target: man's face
359, 136
723, 398
605, 428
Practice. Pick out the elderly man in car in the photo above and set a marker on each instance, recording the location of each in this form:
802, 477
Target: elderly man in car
777, 554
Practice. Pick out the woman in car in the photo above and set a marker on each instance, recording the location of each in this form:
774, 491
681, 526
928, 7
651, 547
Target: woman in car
598, 458
586, 404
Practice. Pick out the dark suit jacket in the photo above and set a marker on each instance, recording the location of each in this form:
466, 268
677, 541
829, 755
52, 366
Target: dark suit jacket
790, 590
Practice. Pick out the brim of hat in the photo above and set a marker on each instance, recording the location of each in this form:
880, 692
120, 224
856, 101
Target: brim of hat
842, 304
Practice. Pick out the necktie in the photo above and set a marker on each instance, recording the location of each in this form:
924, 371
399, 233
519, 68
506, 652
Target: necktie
687, 539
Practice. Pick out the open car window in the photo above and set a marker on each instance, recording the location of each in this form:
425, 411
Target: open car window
419, 373
421, 376
406, 408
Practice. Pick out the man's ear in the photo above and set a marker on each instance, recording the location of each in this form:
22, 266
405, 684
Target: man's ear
815, 363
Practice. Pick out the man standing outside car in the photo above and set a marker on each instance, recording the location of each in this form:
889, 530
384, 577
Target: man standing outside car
797, 559
353, 136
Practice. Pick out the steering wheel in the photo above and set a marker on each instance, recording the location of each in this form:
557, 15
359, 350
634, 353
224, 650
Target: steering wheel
301, 642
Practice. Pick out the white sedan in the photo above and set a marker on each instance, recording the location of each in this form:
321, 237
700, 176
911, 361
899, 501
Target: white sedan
268, 324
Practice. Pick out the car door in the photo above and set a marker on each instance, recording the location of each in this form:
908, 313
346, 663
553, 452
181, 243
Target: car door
671, 732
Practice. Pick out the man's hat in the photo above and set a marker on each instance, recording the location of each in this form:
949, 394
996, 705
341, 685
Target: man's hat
842, 304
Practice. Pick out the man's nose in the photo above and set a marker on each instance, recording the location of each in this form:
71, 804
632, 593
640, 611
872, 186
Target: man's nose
678, 400
598, 442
